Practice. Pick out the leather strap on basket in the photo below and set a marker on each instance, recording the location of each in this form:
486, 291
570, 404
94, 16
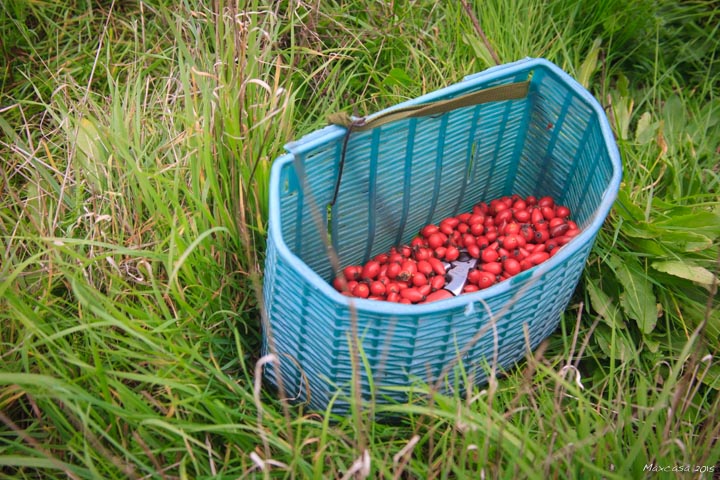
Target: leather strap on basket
510, 91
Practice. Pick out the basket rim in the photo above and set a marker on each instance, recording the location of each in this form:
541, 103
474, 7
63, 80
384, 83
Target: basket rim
477, 80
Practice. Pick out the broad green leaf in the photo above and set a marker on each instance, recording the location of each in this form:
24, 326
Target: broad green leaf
91, 154
711, 378
707, 223
623, 85
398, 76
675, 115
696, 311
685, 241
659, 203
637, 299
589, 66
638, 229
627, 208
645, 130
89, 141
688, 271
708, 116
652, 343
479, 49
622, 108
650, 247
624, 350
604, 305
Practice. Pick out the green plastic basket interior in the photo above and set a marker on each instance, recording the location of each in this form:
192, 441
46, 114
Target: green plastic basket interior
397, 178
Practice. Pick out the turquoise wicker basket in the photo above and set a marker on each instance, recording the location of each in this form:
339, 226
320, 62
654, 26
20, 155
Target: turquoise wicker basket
397, 178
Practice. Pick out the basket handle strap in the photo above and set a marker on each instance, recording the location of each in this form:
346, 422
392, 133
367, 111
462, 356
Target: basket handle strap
510, 91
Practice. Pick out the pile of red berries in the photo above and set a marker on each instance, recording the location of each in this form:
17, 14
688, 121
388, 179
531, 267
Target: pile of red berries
507, 235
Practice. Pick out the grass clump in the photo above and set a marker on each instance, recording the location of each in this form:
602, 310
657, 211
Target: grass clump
136, 141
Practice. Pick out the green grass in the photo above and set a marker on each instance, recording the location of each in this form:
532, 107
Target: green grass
136, 140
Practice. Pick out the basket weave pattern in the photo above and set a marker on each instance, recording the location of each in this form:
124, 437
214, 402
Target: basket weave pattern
400, 177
